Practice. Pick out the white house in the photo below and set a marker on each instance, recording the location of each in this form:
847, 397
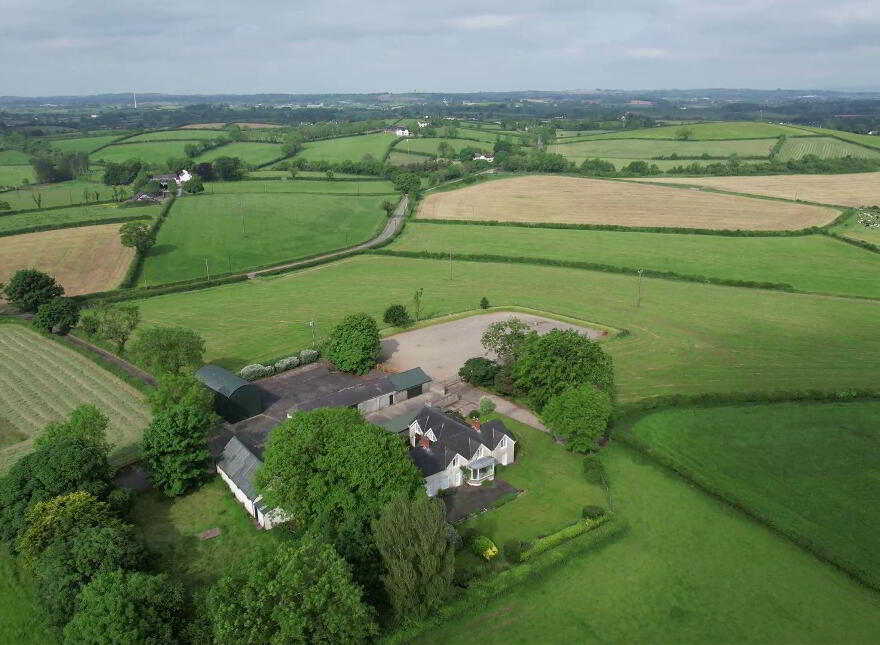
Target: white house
237, 466
398, 130
482, 156
450, 453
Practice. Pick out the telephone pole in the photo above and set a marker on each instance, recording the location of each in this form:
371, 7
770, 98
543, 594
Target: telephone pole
639, 297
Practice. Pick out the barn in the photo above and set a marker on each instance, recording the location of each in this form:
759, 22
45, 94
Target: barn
234, 398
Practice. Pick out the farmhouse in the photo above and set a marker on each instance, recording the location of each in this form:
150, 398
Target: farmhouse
234, 398
178, 178
450, 453
483, 156
398, 131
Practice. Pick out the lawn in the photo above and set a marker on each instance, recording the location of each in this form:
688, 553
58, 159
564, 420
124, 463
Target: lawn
178, 135
554, 484
82, 144
238, 231
690, 570
15, 176
21, 621
347, 148
252, 153
41, 381
95, 214
647, 149
302, 186
67, 193
14, 158
824, 148
684, 337
811, 469
169, 528
431, 145
809, 263
154, 154
710, 131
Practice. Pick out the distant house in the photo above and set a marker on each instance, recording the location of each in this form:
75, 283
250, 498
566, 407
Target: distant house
234, 398
177, 178
145, 197
449, 452
236, 466
398, 130
483, 156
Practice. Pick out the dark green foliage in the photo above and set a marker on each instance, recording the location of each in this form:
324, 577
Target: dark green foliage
504, 382
484, 303
86, 422
228, 168
121, 607
478, 371
594, 471
27, 289
169, 349
120, 500
505, 337
412, 536
176, 389
512, 551
299, 595
397, 316
60, 313
136, 235
579, 415
122, 173
560, 359
195, 185
115, 323
175, 450
407, 182
354, 345
593, 512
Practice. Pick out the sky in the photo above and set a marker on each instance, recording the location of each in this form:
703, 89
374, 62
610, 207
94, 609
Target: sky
58, 47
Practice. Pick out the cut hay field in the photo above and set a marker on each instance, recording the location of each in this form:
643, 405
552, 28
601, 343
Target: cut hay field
347, 148
189, 134
572, 200
240, 231
14, 158
41, 381
810, 469
83, 260
685, 337
301, 186
824, 148
854, 189
252, 153
810, 263
15, 176
56, 217
431, 145
67, 193
83, 144
870, 140
709, 131
647, 149
155, 154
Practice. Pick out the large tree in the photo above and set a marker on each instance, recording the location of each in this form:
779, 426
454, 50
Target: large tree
354, 344
180, 389
579, 415
299, 595
116, 323
411, 535
504, 337
27, 289
58, 313
558, 360
175, 448
59, 518
136, 235
228, 168
169, 349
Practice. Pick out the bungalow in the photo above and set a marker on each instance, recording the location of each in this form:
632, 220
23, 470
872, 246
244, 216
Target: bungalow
450, 453
398, 130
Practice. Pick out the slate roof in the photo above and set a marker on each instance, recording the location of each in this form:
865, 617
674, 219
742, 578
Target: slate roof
220, 380
410, 378
240, 464
350, 396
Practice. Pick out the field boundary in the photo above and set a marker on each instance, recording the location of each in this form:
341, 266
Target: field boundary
82, 224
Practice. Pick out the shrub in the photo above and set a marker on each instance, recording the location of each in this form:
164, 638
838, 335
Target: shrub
483, 547
484, 303
593, 512
513, 551
120, 500
307, 356
487, 406
453, 538
354, 345
286, 364
474, 414
255, 371
89, 324
555, 539
468, 535
594, 472
397, 316
478, 371
59, 313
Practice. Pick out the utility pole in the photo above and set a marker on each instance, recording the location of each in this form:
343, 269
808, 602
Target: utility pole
311, 324
450, 266
207, 272
639, 297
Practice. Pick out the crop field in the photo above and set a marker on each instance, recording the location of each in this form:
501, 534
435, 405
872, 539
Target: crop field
709, 131
189, 134
571, 200
41, 381
252, 153
431, 145
83, 260
67, 193
301, 186
94, 213
14, 158
688, 571
863, 139
347, 148
15, 176
83, 144
647, 149
685, 337
234, 232
810, 263
854, 189
824, 148
155, 154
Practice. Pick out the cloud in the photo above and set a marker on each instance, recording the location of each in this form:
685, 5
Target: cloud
648, 53
485, 21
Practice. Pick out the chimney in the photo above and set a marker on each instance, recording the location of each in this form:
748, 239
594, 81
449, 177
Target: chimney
424, 442
475, 424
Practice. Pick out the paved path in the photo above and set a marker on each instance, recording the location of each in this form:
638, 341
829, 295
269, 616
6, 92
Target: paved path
470, 400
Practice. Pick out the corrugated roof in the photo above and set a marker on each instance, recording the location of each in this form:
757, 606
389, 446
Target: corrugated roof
220, 380
408, 379
240, 464
350, 396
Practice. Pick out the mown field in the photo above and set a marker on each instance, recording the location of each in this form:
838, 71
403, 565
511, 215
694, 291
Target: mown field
301, 186
252, 153
83, 144
189, 134
574, 200
685, 337
809, 263
872, 141
239, 231
824, 148
690, 570
40, 381
431, 145
67, 193
709, 131
14, 158
398, 158
347, 148
15, 176
94, 213
649, 148
155, 154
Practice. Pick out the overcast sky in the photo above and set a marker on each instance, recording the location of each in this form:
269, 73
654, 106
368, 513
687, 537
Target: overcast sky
301, 46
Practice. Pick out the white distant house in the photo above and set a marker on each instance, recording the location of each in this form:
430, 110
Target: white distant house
398, 130
422, 124
179, 178
483, 156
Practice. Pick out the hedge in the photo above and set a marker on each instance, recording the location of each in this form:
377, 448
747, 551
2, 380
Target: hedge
54, 227
555, 539
55, 208
862, 244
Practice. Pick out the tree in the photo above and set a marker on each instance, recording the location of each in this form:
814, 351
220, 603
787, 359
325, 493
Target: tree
354, 344
27, 289
126, 607
169, 349
5, 206
505, 337
560, 359
484, 303
116, 323
419, 560
407, 182
195, 185
293, 172
417, 303
684, 133
579, 415
86, 422
175, 448
37, 197
478, 371
228, 168
177, 389
300, 594
136, 235
397, 316
60, 313
487, 406
388, 207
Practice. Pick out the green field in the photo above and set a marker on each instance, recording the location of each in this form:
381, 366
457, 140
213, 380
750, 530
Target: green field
647, 149
810, 469
252, 153
851, 228
431, 145
824, 148
685, 337
863, 139
347, 148
301, 186
15, 176
67, 193
302, 174
23, 623
178, 135
397, 158
14, 158
709, 131
155, 154
240, 231
83, 144
690, 570
95, 213
809, 263
40, 381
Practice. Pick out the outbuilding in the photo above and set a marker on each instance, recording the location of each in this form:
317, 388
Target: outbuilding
234, 398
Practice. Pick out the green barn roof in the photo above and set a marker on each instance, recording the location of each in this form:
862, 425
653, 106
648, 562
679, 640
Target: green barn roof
220, 380
408, 379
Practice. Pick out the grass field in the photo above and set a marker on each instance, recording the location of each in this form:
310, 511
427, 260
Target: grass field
40, 381
647, 149
685, 337
403, 159
67, 193
850, 227
301, 186
572, 200
189, 134
21, 621
864, 139
83, 144
431, 145
14, 158
854, 189
15, 176
347, 148
809, 263
709, 131
83, 260
301, 174
61, 216
155, 154
240, 231
689, 571
810, 468
252, 153
824, 148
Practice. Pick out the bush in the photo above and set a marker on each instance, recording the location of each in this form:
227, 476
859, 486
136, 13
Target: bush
474, 414
354, 345
555, 539
478, 371
593, 512
59, 313
484, 303
255, 371
483, 547
397, 316
487, 406
307, 356
286, 364
513, 551
453, 538
594, 471
89, 324
468, 535
120, 500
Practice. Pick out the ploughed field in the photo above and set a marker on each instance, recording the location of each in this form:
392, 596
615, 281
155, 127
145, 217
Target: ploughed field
570, 200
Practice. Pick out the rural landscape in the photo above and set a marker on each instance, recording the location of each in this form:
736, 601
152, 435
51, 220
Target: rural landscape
539, 367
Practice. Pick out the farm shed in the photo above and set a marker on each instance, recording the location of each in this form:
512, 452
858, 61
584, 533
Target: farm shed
234, 398
237, 466
372, 395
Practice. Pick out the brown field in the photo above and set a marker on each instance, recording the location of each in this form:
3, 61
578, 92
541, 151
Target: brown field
83, 260
857, 189
570, 200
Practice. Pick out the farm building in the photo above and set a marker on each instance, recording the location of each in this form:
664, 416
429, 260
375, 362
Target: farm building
234, 398
237, 466
371, 395
177, 178
398, 131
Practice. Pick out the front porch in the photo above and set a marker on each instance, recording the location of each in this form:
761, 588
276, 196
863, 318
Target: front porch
479, 471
